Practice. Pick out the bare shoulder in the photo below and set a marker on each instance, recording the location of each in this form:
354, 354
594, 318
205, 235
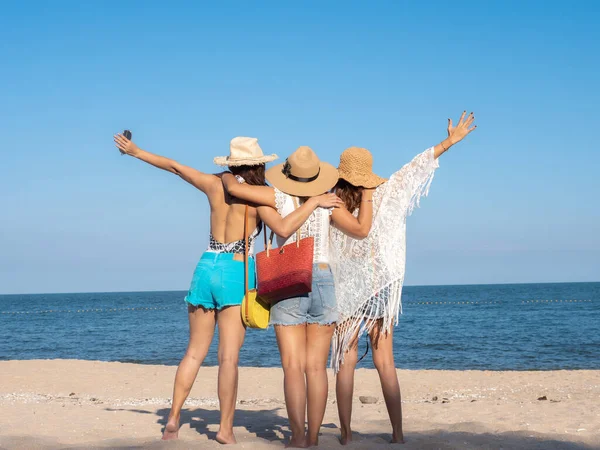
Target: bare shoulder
214, 181
214, 189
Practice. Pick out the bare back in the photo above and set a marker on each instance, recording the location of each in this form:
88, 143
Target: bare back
227, 215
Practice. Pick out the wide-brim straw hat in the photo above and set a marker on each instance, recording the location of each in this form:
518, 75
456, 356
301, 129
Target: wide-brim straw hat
303, 174
356, 167
244, 151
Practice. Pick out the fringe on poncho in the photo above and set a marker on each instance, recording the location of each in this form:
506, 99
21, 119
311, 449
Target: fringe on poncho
369, 273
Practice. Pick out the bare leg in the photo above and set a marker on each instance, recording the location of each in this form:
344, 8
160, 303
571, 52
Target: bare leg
383, 358
292, 348
344, 391
231, 338
202, 329
317, 351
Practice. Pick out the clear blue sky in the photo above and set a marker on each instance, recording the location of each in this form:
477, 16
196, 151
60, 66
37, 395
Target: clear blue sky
516, 202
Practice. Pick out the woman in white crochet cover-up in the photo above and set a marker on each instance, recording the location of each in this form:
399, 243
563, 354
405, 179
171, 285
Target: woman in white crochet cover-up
369, 273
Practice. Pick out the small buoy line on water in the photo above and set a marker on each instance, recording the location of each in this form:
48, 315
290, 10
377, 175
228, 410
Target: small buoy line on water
163, 308
556, 301
493, 302
452, 303
94, 310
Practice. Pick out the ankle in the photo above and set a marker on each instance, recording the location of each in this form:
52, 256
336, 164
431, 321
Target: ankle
297, 441
226, 430
397, 435
298, 435
397, 429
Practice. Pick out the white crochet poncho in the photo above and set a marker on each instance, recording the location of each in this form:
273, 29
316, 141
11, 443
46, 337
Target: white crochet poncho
369, 273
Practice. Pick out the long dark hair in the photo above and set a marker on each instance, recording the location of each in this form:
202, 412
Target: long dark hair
351, 195
254, 175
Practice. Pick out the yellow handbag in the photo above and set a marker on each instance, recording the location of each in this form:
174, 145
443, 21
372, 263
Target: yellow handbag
255, 311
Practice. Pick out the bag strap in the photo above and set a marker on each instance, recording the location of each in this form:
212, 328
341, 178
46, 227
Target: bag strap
296, 206
269, 243
247, 309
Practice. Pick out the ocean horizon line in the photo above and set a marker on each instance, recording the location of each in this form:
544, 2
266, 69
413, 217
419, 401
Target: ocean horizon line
406, 285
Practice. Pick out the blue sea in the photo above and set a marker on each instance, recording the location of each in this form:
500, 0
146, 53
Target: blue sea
493, 327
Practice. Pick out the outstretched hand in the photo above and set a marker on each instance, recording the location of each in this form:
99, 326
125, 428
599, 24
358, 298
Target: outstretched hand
124, 145
462, 129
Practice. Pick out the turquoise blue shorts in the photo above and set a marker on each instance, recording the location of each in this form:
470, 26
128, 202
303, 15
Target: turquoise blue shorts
218, 281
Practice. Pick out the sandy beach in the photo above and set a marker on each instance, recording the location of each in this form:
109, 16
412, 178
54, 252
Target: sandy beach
88, 404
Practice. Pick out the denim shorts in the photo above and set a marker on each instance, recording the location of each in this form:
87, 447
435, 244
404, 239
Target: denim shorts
318, 306
218, 281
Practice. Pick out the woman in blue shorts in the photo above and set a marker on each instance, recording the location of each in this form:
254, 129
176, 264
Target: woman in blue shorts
217, 287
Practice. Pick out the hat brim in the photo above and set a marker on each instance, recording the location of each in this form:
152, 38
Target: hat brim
368, 181
227, 161
328, 177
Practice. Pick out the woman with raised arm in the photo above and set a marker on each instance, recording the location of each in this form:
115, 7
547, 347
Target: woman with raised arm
369, 273
217, 286
304, 325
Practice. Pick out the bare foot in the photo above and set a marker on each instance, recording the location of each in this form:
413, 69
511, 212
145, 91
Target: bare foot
310, 443
226, 438
346, 437
171, 430
297, 443
398, 438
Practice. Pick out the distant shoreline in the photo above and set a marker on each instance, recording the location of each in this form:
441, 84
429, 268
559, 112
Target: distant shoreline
400, 369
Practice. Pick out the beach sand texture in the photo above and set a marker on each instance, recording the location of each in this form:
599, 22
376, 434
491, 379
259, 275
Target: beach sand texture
89, 404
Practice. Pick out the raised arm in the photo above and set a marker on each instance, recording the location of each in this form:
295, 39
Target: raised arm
406, 186
285, 227
455, 134
260, 195
356, 227
204, 182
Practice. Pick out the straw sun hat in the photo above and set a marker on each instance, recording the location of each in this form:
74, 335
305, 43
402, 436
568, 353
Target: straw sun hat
303, 174
244, 151
356, 167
